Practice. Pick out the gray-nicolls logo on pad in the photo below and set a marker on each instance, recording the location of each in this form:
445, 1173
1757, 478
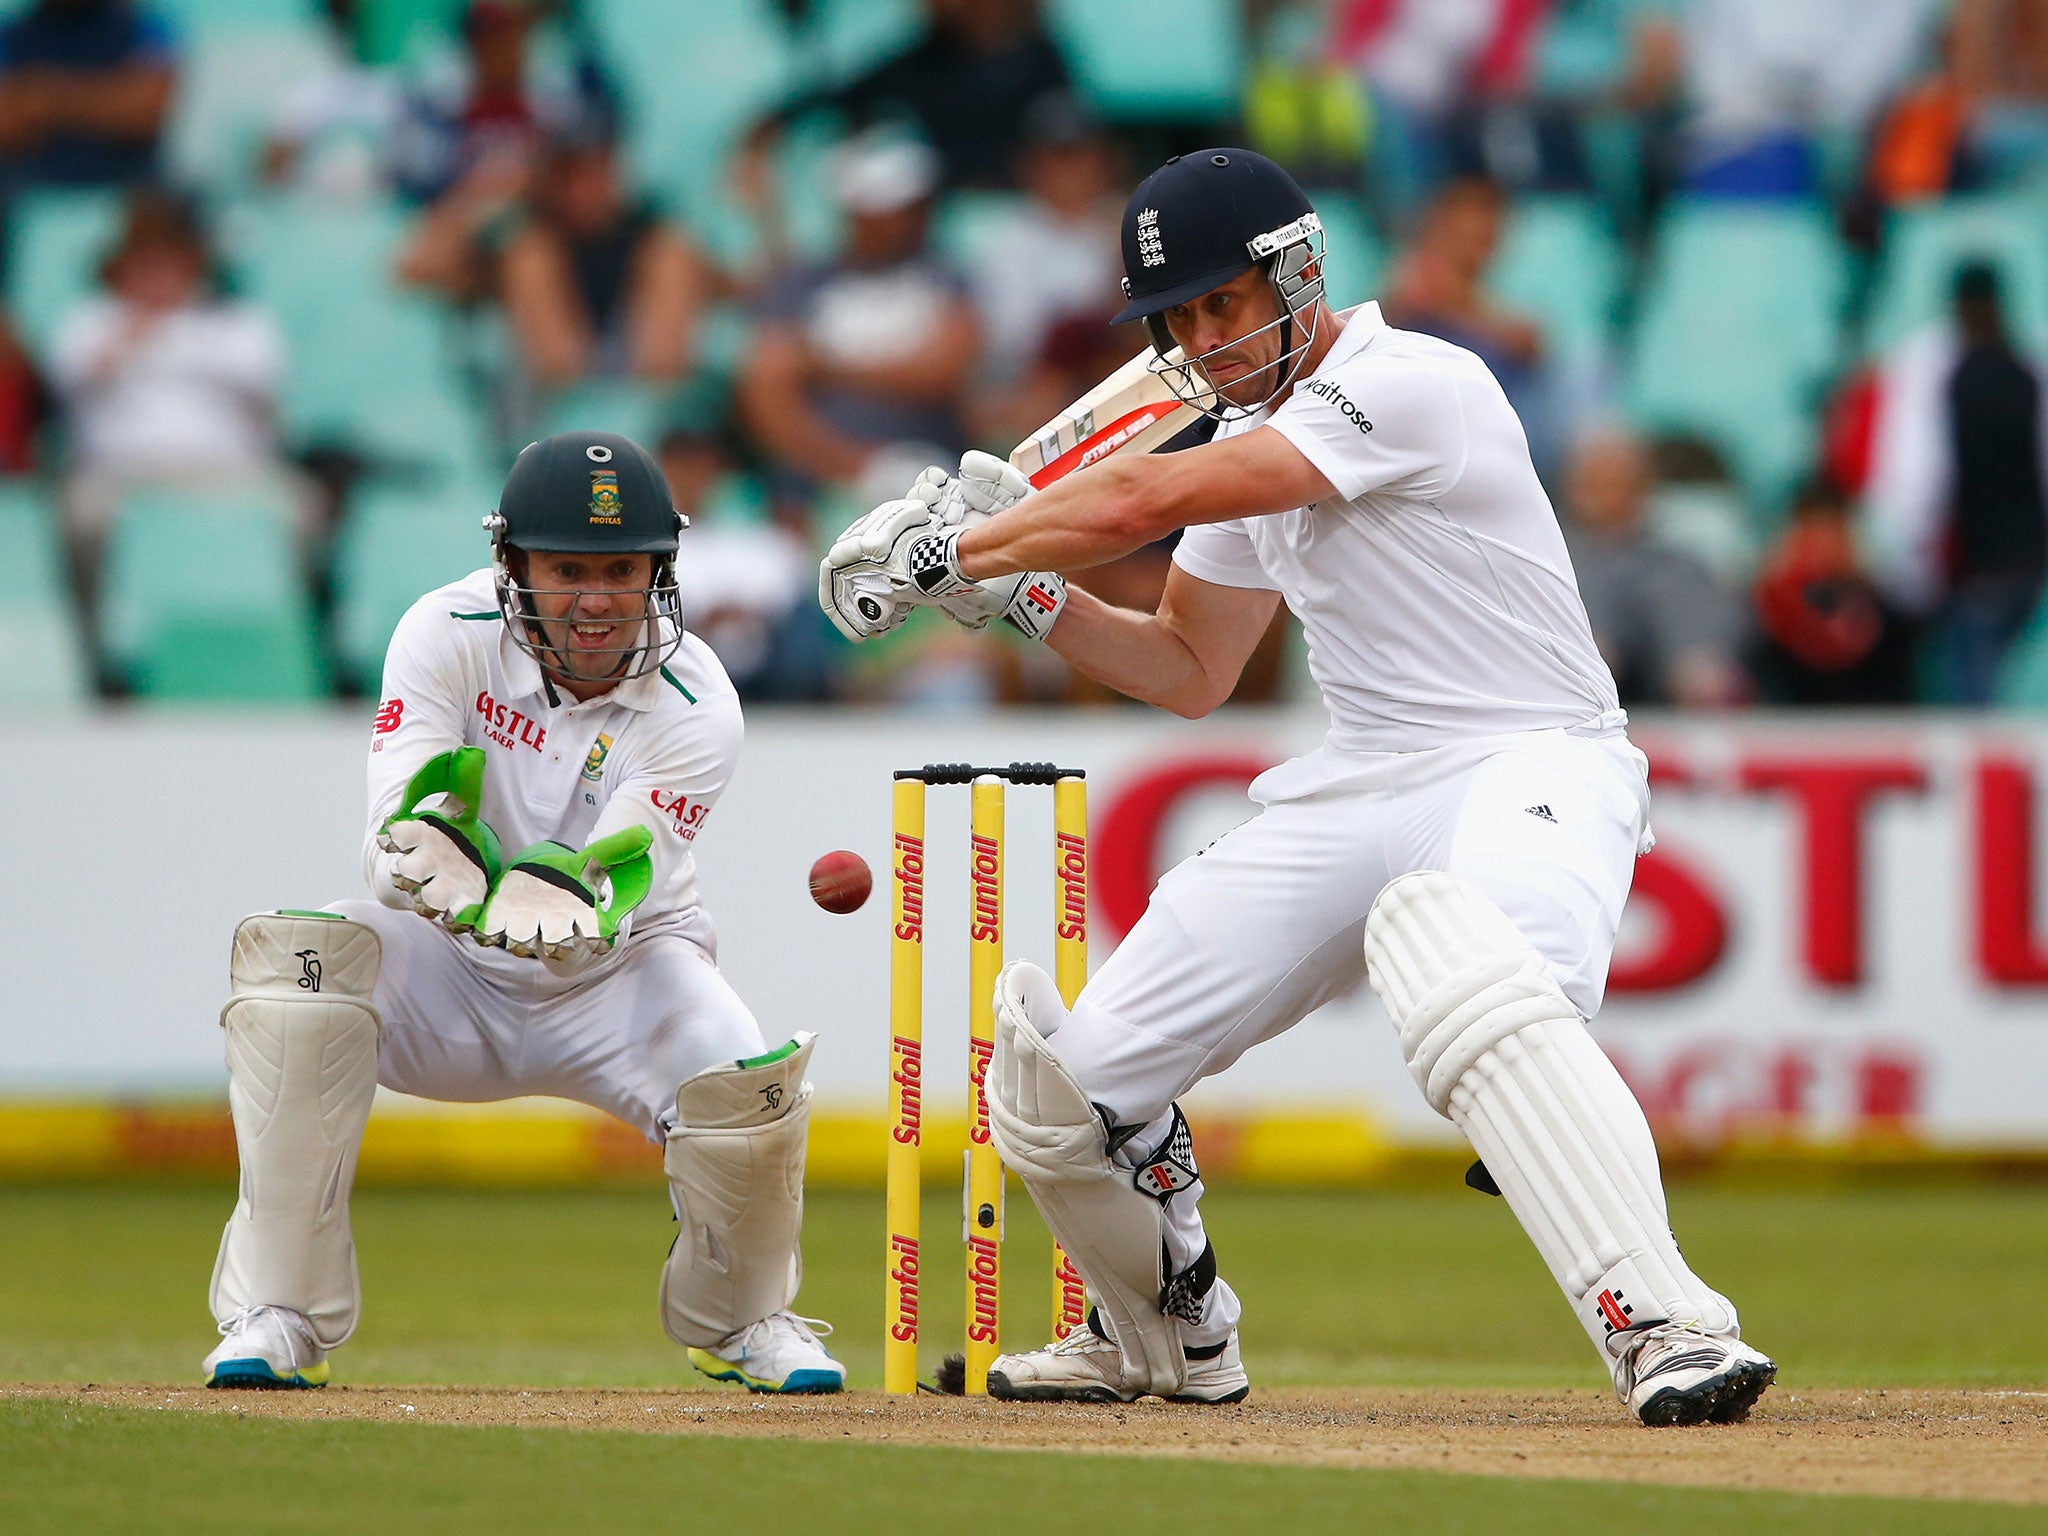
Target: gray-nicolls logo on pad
309, 969
1150, 251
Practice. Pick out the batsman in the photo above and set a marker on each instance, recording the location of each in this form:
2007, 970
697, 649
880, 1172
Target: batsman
1463, 839
549, 743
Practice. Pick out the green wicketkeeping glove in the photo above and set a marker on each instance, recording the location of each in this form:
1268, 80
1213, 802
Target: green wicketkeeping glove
556, 903
448, 860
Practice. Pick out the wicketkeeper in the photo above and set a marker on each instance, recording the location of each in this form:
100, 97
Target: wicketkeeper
548, 746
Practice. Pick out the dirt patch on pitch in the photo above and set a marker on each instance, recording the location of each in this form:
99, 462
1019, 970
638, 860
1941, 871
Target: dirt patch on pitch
1902, 1443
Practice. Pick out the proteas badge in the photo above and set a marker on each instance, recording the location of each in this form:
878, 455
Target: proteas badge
604, 498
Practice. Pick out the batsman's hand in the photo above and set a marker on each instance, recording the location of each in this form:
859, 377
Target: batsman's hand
1028, 601
864, 581
562, 906
448, 859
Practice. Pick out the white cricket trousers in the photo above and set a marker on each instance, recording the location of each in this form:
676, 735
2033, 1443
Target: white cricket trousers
470, 1024
1247, 937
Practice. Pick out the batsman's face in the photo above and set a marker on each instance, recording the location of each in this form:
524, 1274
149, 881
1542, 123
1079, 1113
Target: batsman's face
1226, 330
593, 608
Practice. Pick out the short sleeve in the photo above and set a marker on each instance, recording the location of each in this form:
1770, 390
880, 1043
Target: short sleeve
1377, 423
1222, 554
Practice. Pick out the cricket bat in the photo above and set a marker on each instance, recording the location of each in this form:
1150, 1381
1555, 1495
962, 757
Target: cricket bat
1131, 411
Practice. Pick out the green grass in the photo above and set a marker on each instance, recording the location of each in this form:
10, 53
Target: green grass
66, 1469
1903, 1287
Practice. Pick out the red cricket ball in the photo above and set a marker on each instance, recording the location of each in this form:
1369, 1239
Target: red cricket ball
841, 881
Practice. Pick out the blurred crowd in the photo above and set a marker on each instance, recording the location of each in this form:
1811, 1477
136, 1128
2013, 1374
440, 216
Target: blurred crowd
800, 281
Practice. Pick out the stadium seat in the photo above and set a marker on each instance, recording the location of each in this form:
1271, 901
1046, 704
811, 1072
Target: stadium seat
38, 634
1357, 260
233, 75
202, 598
1180, 60
1923, 246
57, 238
368, 364
1738, 333
638, 411
696, 72
399, 541
1559, 263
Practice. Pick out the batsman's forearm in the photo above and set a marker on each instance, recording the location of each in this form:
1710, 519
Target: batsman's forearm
1132, 652
1093, 516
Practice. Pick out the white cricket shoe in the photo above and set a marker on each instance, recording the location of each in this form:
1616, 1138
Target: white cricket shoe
267, 1347
780, 1353
1087, 1367
1679, 1374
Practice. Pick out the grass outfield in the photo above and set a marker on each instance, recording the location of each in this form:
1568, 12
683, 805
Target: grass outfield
106, 1284
69, 1470
1902, 1287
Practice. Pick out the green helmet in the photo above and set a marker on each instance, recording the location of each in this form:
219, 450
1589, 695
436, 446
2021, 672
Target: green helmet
589, 493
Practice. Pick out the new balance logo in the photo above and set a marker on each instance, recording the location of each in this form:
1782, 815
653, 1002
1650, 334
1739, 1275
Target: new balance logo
1541, 813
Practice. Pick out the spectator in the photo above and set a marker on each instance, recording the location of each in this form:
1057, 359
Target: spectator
24, 403
160, 377
84, 88
966, 84
1668, 630
871, 348
1956, 488
1451, 92
747, 582
468, 139
1825, 634
333, 133
1978, 116
1439, 287
1764, 81
495, 105
596, 284
1059, 256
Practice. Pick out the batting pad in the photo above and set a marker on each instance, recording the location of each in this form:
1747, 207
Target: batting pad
735, 1165
302, 1070
1500, 1051
1049, 1134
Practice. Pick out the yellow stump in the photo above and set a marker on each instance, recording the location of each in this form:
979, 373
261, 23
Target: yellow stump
906, 1085
1070, 970
984, 1194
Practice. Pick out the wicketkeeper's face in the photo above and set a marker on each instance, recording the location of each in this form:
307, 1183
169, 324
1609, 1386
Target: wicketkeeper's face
593, 608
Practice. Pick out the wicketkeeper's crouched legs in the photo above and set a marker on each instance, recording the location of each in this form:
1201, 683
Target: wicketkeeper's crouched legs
735, 1164
302, 1070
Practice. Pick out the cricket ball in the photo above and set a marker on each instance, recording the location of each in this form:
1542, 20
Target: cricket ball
841, 881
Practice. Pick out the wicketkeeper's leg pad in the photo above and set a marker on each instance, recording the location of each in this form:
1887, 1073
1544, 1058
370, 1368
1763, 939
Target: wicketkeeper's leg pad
735, 1164
1053, 1138
1497, 1048
302, 1070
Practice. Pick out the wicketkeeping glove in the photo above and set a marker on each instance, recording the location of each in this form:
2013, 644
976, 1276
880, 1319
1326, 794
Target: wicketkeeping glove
448, 860
557, 904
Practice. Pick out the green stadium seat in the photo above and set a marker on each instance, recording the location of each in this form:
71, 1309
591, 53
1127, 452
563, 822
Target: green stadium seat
1177, 60
696, 72
399, 541
234, 74
855, 35
367, 362
1924, 245
202, 598
1356, 259
56, 238
1738, 333
638, 411
38, 633
1559, 263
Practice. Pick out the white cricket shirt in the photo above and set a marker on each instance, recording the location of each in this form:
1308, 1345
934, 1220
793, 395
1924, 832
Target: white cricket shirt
1433, 588
655, 751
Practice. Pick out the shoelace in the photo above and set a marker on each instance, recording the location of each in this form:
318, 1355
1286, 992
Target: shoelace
808, 1329
1081, 1340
